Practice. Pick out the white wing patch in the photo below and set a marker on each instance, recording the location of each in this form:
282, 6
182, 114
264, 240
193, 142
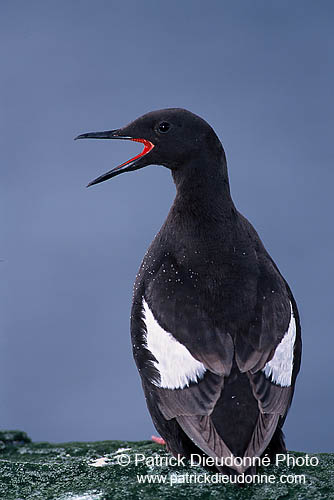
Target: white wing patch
279, 368
176, 365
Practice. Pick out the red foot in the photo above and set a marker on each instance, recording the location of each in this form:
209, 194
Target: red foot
158, 440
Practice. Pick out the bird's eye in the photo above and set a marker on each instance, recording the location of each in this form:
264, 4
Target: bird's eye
163, 127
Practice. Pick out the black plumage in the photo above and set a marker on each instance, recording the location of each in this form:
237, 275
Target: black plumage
207, 283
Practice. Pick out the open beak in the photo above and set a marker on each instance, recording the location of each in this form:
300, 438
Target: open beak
132, 164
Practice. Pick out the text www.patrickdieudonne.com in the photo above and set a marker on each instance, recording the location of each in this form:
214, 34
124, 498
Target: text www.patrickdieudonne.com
206, 478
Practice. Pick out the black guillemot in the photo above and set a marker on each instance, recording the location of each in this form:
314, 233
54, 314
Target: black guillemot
215, 328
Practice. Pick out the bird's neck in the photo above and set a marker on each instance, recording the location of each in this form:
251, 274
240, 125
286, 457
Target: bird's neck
202, 189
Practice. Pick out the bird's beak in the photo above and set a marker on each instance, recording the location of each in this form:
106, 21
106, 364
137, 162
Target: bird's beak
132, 164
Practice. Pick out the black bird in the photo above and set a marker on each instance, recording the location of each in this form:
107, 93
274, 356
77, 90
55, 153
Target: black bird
215, 328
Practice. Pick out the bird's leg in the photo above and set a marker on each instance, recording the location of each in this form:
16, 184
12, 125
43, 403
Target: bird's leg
158, 440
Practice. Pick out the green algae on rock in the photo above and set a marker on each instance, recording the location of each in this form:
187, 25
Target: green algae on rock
117, 470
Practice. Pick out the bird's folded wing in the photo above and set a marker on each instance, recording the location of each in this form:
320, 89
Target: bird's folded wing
270, 351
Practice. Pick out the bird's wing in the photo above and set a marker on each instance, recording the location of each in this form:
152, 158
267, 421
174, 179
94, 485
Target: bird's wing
269, 352
273, 379
185, 381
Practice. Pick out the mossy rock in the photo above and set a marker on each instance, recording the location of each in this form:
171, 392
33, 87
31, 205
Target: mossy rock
91, 471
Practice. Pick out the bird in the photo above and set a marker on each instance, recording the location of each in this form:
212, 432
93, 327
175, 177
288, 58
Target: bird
215, 328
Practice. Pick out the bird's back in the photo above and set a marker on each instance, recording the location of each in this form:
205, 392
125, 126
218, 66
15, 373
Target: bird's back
214, 290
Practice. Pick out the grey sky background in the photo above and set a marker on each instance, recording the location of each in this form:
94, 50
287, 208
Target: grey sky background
261, 73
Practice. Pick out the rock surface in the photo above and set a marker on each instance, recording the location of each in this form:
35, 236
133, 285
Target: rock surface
91, 471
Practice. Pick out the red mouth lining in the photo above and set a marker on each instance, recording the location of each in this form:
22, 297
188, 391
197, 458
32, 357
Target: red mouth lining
148, 146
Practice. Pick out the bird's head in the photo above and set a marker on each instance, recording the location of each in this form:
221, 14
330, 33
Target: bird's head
171, 137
